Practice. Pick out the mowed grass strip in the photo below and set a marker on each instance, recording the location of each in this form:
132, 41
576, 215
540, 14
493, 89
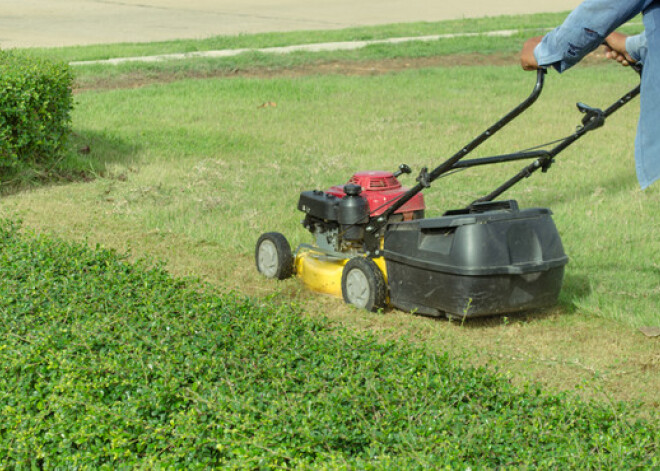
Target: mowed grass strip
108, 364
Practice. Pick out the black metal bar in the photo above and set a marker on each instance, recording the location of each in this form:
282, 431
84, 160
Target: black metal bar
488, 133
623, 100
449, 164
498, 159
524, 173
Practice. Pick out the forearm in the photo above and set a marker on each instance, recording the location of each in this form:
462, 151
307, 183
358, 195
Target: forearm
583, 31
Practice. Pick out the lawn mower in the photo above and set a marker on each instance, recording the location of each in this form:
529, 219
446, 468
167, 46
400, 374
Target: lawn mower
374, 247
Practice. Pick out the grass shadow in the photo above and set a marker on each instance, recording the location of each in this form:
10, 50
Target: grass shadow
575, 288
103, 148
495, 320
88, 155
498, 320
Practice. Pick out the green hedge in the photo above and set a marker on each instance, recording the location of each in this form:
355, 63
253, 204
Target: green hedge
105, 365
35, 105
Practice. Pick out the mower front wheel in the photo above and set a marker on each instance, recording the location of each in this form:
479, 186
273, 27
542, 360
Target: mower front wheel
273, 256
363, 284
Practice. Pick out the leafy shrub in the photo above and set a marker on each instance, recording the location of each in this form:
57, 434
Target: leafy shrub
106, 364
35, 106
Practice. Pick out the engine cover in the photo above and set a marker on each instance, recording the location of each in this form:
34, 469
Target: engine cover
381, 189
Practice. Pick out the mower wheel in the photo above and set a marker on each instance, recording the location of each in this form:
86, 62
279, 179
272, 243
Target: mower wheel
363, 284
273, 256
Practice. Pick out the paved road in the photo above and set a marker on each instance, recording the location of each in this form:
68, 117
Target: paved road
29, 23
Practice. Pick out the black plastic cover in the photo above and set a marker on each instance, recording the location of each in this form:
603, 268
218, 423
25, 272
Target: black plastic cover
319, 204
475, 264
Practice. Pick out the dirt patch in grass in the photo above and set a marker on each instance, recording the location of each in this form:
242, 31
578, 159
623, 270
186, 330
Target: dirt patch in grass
138, 79
348, 67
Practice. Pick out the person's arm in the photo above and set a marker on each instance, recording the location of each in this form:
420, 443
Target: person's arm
582, 32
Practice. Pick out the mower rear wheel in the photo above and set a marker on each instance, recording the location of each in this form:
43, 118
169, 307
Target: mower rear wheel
363, 284
273, 256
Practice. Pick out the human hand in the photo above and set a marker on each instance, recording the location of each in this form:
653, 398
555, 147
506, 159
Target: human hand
527, 59
615, 49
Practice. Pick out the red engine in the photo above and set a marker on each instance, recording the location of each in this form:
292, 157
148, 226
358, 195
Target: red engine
339, 217
382, 189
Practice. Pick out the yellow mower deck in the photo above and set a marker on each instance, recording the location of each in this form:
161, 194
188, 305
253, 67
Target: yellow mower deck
322, 274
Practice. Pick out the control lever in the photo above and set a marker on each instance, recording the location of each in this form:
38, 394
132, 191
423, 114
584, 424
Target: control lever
403, 168
593, 117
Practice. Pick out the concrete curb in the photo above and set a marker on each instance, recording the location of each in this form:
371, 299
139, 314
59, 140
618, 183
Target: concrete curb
319, 47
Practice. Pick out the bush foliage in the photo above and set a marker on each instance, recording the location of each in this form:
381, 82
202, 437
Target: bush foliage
35, 105
109, 364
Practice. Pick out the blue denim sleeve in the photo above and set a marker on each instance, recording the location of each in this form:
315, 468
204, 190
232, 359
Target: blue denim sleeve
636, 47
583, 31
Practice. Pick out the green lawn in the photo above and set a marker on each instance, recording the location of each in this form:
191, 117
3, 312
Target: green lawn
192, 170
211, 165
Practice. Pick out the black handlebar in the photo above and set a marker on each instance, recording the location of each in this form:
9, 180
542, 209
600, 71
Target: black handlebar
593, 119
425, 178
